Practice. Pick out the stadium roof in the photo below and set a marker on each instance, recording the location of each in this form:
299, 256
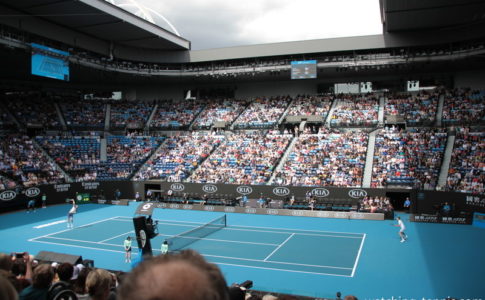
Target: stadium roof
99, 19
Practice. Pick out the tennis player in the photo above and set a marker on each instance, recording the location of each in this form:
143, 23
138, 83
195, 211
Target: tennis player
70, 214
164, 248
402, 227
127, 245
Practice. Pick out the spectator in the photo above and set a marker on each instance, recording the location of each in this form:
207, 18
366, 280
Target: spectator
42, 278
7, 290
185, 275
98, 284
80, 283
64, 272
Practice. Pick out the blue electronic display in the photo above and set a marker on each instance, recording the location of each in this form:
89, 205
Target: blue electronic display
50, 62
304, 69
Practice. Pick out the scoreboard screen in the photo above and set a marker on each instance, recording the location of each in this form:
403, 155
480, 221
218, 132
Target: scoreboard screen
304, 69
50, 62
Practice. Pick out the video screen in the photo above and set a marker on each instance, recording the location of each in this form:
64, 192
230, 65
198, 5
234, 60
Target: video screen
50, 62
304, 69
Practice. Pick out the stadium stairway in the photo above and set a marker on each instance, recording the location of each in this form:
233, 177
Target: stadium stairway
330, 113
380, 116
103, 155
285, 112
147, 125
445, 166
107, 117
369, 160
58, 168
60, 116
439, 112
283, 160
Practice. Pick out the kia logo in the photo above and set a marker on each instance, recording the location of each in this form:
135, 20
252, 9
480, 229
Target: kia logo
32, 192
230, 209
357, 193
178, 187
7, 195
209, 188
209, 208
320, 192
297, 213
281, 191
244, 190
323, 214
272, 211
187, 207
250, 210
162, 205
176, 206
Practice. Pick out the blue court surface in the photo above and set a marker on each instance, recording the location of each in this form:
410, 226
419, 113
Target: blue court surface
305, 256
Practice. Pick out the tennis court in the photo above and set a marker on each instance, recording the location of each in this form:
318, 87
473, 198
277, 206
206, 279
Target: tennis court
325, 253
296, 255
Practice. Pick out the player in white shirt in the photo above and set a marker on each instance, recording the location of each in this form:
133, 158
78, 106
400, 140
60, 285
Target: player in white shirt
70, 215
402, 227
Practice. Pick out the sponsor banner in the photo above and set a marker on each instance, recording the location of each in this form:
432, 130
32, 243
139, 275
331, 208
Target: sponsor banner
32, 192
145, 208
357, 193
270, 211
244, 190
112, 202
441, 219
62, 187
320, 192
90, 185
475, 201
177, 187
281, 191
209, 188
7, 195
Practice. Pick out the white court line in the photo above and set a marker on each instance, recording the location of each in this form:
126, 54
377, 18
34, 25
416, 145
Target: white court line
116, 236
358, 256
289, 229
49, 224
85, 225
271, 228
281, 270
209, 255
185, 237
308, 234
267, 231
279, 247
69, 245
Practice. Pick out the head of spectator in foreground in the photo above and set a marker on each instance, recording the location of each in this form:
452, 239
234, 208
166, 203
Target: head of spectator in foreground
175, 276
65, 271
7, 290
98, 284
43, 276
5, 262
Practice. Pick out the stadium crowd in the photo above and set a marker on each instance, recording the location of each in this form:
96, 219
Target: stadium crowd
311, 105
244, 158
179, 156
220, 110
33, 110
419, 109
355, 110
22, 163
464, 107
86, 114
175, 115
330, 158
467, 168
126, 113
263, 112
408, 157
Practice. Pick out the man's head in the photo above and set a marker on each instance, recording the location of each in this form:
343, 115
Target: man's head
5, 262
185, 275
42, 276
65, 271
98, 284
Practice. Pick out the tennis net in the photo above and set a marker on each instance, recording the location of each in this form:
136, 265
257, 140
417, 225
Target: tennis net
186, 238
